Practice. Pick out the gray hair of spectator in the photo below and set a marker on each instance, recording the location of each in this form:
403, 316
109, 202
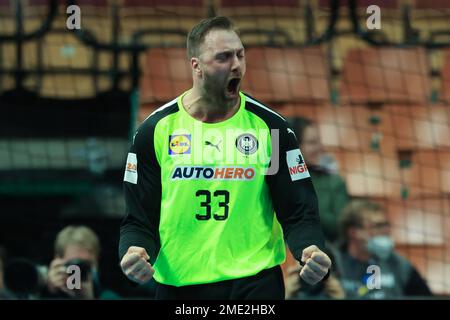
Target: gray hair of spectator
299, 125
77, 235
353, 215
197, 35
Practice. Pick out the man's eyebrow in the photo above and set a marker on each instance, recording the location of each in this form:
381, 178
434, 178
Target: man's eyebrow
228, 51
224, 52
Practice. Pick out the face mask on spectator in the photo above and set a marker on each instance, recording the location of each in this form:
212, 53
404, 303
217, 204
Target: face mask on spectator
380, 246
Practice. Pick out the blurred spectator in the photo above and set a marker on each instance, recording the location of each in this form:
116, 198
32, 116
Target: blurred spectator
23, 279
76, 245
330, 187
366, 242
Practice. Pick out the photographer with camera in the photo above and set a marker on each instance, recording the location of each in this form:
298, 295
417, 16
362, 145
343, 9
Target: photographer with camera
75, 246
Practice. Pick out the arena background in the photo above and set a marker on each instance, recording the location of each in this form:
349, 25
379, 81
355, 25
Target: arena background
71, 99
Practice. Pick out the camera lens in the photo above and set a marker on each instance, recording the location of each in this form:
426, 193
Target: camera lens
84, 265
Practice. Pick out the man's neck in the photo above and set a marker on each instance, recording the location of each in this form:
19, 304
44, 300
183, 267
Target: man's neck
205, 109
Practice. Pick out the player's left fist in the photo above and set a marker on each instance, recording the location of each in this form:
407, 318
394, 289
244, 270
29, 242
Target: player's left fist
316, 265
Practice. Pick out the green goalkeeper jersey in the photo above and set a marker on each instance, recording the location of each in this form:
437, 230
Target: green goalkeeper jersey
214, 201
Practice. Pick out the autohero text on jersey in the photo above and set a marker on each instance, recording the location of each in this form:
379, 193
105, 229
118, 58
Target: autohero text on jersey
212, 173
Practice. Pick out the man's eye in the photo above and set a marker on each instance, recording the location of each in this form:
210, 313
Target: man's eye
225, 55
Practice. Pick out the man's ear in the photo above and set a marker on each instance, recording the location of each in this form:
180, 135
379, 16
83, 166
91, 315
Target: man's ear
195, 64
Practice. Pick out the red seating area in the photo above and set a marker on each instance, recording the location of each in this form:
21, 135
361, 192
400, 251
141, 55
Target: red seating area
166, 74
445, 74
235, 8
382, 75
164, 7
278, 75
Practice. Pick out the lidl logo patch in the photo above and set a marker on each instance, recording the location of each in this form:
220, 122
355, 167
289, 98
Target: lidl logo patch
179, 144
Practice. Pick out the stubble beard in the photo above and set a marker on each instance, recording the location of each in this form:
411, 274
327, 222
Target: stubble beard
214, 93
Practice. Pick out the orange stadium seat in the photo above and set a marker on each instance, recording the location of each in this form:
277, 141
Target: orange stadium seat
396, 127
436, 4
420, 230
298, 110
445, 77
432, 261
422, 221
430, 171
165, 23
166, 74
260, 8
285, 75
403, 127
286, 17
293, 75
288, 110
385, 75
388, 4
420, 126
349, 127
370, 174
165, 7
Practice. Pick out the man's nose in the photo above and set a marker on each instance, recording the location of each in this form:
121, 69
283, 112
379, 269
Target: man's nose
236, 64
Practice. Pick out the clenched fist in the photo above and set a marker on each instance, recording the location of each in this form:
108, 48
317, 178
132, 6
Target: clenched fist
135, 266
316, 265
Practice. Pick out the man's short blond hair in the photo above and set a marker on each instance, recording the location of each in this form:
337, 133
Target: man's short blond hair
77, 235
354, 214
197, 35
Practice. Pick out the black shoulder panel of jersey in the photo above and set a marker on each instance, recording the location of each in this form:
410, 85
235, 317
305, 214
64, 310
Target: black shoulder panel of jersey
294, 201
158, 114
273, 119
143, 199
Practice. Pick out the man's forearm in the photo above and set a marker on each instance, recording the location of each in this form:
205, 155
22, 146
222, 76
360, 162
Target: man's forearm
133, 235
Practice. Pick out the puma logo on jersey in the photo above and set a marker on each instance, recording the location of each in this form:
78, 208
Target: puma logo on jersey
134, 136
207, 143
289, 130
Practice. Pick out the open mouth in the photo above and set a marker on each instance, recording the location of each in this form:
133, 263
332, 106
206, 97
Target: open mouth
233, 86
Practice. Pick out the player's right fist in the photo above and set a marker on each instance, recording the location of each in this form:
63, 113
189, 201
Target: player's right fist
135, 266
